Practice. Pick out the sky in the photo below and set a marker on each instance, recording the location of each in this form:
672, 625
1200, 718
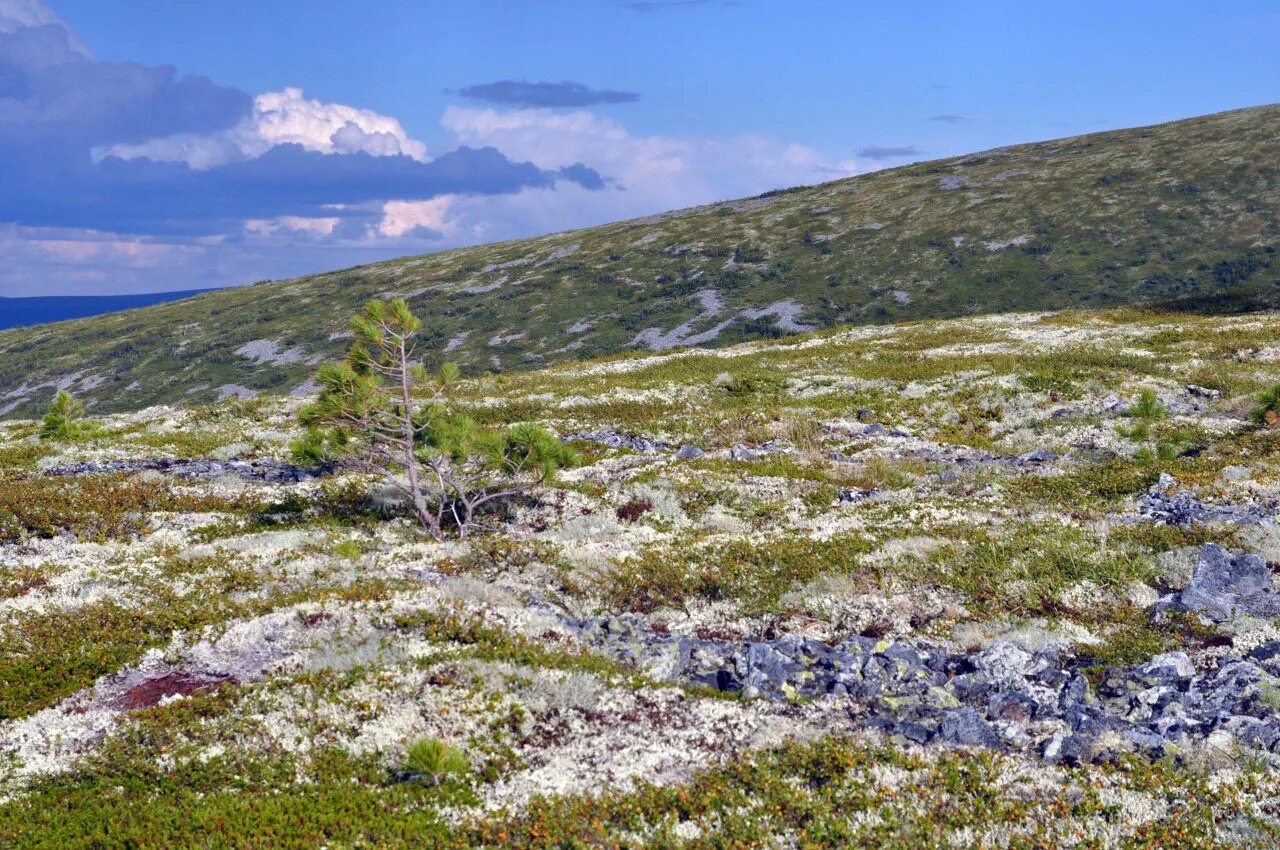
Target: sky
154, 145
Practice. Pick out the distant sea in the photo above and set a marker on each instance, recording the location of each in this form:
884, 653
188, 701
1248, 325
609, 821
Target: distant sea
15, 312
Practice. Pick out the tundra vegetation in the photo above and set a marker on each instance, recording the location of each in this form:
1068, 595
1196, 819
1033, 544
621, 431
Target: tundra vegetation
205, 642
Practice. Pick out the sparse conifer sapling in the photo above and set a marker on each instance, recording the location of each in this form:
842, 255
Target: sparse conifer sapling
65, 419
382, 411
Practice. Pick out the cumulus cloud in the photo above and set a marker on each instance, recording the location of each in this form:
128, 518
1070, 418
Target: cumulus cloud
880, 152
566, 94
284, 117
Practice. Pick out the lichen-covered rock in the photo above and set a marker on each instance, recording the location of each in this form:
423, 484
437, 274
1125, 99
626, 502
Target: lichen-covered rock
1225, 586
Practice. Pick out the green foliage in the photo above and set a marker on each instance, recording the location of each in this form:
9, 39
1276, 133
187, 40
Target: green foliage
1147, 407
382, 410
1268, 410
92, 507
65, 420
754, 575
432, 761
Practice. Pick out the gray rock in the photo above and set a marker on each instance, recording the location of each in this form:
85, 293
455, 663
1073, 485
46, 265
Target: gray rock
1169, 666
1166, 504
1038, 456
1005, 662
1203, 392
688, 452
1225, 586
266, 470
967, 727
618, 440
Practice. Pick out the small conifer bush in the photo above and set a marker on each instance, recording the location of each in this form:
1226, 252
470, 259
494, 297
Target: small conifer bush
65, 420
431, 760
1268, 410
381, 411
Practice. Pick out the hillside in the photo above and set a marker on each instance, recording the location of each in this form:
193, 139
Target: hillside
41, 309
1185, 210
999, 581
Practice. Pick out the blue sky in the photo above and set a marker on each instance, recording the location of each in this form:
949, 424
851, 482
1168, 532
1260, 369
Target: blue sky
149, 145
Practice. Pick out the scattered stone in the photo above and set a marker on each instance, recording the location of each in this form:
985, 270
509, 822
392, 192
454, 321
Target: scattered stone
266, 470
1165, 503
618, 440
1002, 697
1116, 405
1203, 392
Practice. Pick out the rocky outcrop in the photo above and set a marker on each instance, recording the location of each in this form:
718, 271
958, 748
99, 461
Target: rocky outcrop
1003, 697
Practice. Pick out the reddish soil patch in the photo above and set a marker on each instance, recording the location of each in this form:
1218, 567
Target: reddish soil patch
150, 692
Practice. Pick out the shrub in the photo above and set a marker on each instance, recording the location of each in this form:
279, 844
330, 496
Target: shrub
92, 507
381, 411
1268, 410
431, 760
634, 509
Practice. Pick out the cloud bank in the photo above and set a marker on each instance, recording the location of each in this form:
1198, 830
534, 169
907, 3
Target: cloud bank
120, 177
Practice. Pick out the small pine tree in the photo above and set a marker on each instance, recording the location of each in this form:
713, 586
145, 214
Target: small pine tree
382, 411
1267, 412
433, 760
65, 419
1148, 406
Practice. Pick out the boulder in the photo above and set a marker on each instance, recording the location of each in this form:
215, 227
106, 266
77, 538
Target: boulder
1225, 586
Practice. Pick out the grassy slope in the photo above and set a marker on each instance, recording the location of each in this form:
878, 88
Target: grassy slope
1182, 210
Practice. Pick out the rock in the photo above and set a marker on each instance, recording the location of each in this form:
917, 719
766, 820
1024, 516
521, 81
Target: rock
1225, 586
852, 495
1203, 392
1164, 503
266, 470
1069, 750
618, 440
967, 727
1038, 456
688, 452
1116, 405
1169, 666
1005, 662
741, 452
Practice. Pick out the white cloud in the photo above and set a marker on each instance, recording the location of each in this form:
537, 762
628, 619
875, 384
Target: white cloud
316, 227
286, 117
282, 118
404, 217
